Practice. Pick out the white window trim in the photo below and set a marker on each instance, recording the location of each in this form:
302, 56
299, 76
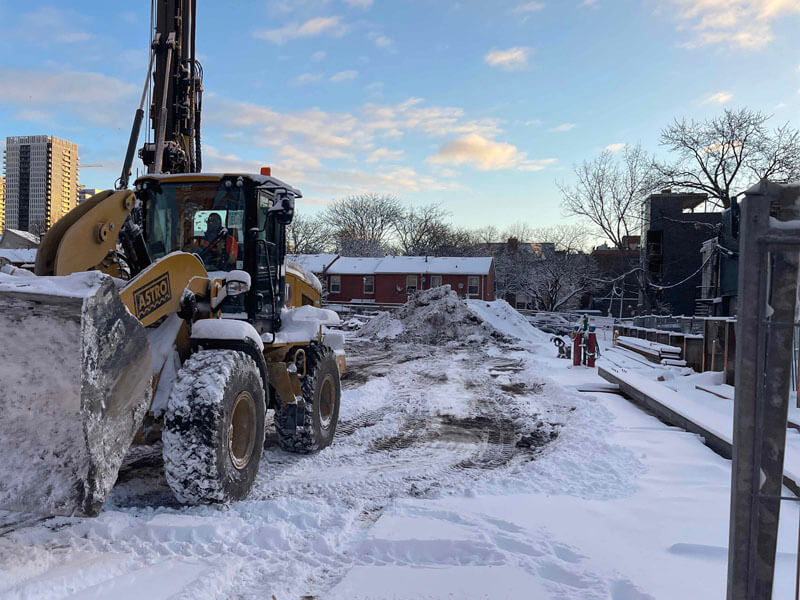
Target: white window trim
416, 283
335, 281
439, 278
478, 293
373, 284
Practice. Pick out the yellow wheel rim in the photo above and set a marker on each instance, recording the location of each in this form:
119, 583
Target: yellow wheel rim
242, 430
327, 402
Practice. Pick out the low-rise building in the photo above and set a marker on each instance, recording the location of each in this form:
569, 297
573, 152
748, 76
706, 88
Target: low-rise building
391, 279
618, 266
85, 193
15, 239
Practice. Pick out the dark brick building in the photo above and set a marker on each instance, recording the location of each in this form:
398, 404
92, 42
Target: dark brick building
675, 226
617, 265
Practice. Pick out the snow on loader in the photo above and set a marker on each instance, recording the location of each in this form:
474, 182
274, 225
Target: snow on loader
165, 313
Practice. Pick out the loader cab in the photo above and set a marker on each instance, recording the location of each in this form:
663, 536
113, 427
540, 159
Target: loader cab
230, 221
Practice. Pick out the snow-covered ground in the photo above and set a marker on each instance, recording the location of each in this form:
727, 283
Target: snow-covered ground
472, 468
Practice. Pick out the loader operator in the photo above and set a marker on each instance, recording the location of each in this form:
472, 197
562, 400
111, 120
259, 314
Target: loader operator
218, 248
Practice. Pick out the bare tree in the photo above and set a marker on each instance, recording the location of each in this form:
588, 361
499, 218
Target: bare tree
422, 230
487, 234
366, 219
308, 235
520, 231
358, 247
459, 241
555, 276
609, 192
723, 156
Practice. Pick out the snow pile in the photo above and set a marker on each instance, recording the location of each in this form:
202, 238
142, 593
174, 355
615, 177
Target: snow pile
439, 315
503, 317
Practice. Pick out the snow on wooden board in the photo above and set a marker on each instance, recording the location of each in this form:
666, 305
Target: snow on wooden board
712, 413
649, 346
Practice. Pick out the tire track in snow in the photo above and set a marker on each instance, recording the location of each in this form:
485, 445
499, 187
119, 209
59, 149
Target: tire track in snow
424, 423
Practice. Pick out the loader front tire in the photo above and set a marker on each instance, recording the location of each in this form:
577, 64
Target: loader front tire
312, 428
214, 428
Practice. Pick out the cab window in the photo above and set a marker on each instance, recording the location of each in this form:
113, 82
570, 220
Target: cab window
205, 218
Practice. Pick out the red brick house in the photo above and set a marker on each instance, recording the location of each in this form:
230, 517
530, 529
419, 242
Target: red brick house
389, 280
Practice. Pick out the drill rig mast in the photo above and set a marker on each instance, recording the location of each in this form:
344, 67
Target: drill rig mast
177, 95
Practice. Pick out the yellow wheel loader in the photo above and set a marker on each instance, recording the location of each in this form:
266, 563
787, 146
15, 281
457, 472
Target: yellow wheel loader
163, 312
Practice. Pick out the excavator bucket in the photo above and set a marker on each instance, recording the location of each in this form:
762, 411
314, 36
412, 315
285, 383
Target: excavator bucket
75, 383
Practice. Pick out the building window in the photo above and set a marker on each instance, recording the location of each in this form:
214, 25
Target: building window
436, 280
335, 284
411, 284
473, 285
369, 284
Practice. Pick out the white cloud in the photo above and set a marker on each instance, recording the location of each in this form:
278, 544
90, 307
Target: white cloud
513, 58
718, 98
215, 160
743, 23
318, 56
312, 27
359, 3
529, 7
315, 149
486, 155
306, 78
588, 3
384, 155
27, 114
616, 147
66, 92
344, 76
563, 127
49, 24
381, 40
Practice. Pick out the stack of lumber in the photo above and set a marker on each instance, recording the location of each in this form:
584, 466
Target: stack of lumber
653, 351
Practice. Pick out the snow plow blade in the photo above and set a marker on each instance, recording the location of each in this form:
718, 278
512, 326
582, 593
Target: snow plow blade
75, 383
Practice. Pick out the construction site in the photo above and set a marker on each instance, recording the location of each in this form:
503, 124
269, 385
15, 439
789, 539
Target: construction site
210, 391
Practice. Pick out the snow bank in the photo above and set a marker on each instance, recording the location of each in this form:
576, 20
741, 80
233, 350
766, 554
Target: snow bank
505, 319
439, 315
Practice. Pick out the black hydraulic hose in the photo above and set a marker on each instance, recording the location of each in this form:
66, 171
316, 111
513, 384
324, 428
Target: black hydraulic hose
122, 183
132, 143
276, 319
198, 147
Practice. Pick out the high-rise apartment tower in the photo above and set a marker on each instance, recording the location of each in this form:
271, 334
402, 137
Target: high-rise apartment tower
41, 181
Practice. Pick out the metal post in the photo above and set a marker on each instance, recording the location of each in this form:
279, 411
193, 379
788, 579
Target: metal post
767, 297
749, 360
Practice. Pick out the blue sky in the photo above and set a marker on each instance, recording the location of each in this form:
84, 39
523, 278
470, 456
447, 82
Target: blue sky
481, 106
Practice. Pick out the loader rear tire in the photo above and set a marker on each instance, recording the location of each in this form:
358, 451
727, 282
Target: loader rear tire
214, 428
321, 392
